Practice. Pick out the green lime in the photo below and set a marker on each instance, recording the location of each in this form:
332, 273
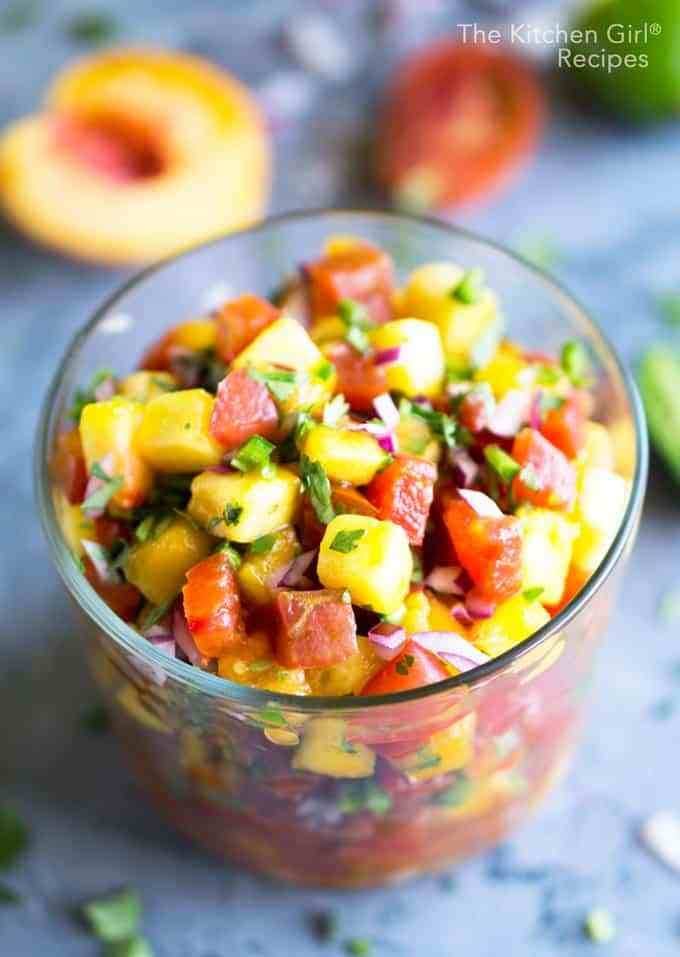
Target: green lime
626, 54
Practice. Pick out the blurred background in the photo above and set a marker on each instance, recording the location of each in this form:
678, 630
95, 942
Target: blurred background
575, 167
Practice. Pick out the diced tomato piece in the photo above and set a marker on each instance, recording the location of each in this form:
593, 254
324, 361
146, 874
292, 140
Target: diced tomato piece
158, 357
68, 466
547, 477
122, 597
212, 606
243, 407
403, 494
360, 272
315, 629
414, 667
359, 380
108, 530
474, 409
565, 426
347, 499
489, 549
459, 120
240, 321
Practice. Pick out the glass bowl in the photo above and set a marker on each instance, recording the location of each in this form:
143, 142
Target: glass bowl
429, 776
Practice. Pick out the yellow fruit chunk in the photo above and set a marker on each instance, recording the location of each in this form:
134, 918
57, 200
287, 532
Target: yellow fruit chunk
414, 437
138, 153
419, 370
157, 566
108, 433
417, 617
175, 432
74, 524
257, 568
512, 622
195, 334
377, 571
548, 539
243, 507
427, 295
441, 618
264, 673
598, 449
324, 749
350, 676
283, 343
600, 503
448, 750
327, 329
504, 370
144, 386
346, 455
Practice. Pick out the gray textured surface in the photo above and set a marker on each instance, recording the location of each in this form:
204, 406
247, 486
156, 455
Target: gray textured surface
610, 201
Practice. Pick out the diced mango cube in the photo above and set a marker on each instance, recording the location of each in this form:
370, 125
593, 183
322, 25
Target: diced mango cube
244, 506
600, 503
348, 677
258, 567
446, 751
327, 329
108, 432
419, 370
195, 334
598, 449
346, 455
264, 673
428, 295
285, 343
324, 749
143, 385
158, 565
376, 571
504, 370
548, 539
417, 616
175, 432
74, 524
512, 622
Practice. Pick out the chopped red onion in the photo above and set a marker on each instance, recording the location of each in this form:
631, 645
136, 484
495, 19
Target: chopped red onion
449, 643
387, 640
294, 573
387, 410
462, 615
465, 469
387, 443
459, 661
105, 390
483, 504
510, 413
535, 415
387, 356
158, 632
479, 607
423, 401
165, 644
374, 428
100, 559
183, 636
444, 579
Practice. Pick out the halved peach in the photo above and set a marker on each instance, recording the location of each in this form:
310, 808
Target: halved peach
137, 154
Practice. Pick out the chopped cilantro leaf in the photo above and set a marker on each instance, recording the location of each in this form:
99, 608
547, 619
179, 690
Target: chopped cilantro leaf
152, 614
347, 540
548, 374
114, 917
442, 425
8, 896
426, 758
280, 382
364, 796
145, 528
255, 453
136, 946
405, 664
532, 594
358, 339
470, 288
503, 464
324, 370
262, 545
353, 313
92, 28
13, 837
234, 557
358, 947
455, 795
230, 515
417, 573
575, 362
96, 720
318, 488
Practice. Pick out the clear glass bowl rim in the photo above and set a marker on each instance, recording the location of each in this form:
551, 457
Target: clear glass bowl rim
213, 685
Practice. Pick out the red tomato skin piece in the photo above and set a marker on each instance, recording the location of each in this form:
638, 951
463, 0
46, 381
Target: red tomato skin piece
565, 426
68, 466
414, 667
361, 272
403, 494
315, 629
239, 321
243, 407
122, 598
213, 607
109, 530
359, 380
551, 472
470, 115
158, 357
489, 549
